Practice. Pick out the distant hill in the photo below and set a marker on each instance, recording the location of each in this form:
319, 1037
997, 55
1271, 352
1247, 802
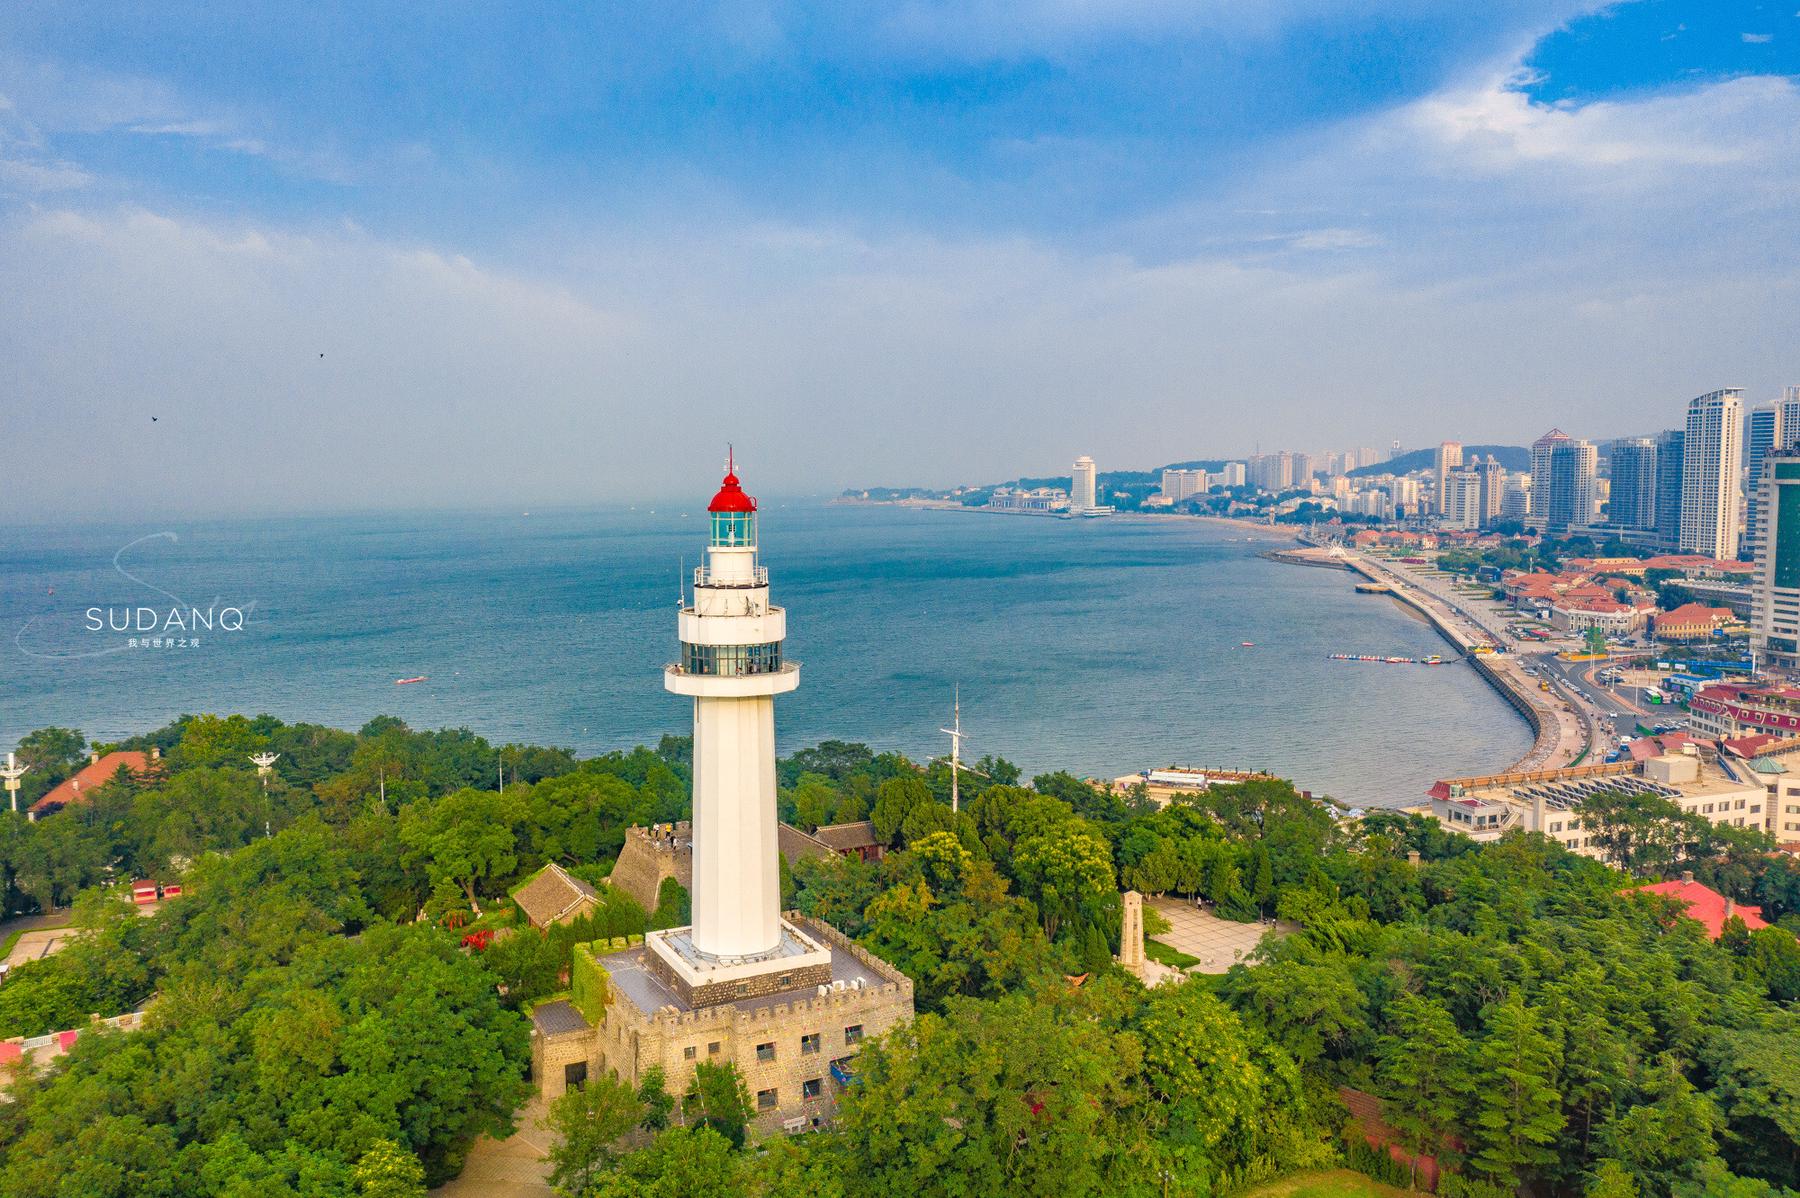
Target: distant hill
1513, 457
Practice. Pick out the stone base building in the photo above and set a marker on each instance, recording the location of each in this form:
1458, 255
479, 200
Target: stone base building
795, 1048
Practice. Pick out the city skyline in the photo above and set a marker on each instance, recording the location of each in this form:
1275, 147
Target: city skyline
468, 277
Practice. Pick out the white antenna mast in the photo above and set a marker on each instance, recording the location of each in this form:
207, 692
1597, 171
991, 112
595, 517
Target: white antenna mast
955, 733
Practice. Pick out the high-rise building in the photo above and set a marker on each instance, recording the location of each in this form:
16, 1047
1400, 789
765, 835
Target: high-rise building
1178, 485
1449, 457
1493, 487
1764, 436
1082, 486
1540, 467
1403, 495
1789, 406
1571, 498
1633, 496
1234, 474
1272, 472
1709, 473
1776, 608
1515, 504
1462, 498
1368, 455
1671, 456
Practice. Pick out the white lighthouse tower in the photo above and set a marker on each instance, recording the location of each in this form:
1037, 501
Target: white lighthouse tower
731, 665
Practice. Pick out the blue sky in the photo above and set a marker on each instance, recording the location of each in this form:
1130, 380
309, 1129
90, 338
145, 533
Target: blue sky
872, 242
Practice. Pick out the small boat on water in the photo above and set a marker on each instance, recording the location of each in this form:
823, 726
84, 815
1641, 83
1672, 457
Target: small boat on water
1246, 644
404, 681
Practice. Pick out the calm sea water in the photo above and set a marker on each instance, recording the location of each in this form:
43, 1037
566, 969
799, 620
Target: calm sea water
1098, 646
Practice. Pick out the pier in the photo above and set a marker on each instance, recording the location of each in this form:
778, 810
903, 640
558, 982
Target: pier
1561, 737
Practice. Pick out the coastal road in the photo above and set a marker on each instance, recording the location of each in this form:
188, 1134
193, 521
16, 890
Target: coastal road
1569, 732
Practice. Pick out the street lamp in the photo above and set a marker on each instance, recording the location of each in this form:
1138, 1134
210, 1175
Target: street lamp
264, 763
12, 771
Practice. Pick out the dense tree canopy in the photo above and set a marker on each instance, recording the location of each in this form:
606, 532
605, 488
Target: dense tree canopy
316, 1023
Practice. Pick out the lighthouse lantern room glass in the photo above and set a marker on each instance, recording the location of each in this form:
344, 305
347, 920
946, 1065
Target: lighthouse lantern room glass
731, 530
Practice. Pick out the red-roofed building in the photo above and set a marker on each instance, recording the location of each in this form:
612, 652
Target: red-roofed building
1707, 906
1694, 565
1583, 608
1748, 747
78, 786
1690, 622
1726, 710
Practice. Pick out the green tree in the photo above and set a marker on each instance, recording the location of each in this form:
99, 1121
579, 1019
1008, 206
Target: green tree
718, 1099
588, 1123
895, 800
389, 1171
1067, 874
1423, 1065
466, 838
1518, 1111
1611, 1180
681, 1162
656, 1100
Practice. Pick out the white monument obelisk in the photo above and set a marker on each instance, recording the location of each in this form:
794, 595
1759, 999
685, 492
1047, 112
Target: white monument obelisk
731, 665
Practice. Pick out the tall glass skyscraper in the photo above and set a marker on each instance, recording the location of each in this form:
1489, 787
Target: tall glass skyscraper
1709, 473
1571, 499
1766, 436
1633, 503
1671, 454
1776, 632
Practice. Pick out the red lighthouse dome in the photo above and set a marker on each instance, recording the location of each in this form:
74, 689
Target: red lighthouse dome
731, 497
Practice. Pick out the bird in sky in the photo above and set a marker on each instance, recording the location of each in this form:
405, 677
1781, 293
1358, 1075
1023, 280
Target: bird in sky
152, 420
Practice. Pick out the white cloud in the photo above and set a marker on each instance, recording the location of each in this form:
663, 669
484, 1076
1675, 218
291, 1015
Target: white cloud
1469, 265
1758, 39
1495, 126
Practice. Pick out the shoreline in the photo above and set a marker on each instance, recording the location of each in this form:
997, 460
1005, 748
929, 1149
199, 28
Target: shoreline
1557, 733
1288, 532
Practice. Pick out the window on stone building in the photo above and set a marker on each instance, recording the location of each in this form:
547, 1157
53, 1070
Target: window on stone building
766, 1052
712, 1050
853, 1034
765, 1100
688, 1053
810, 1043
812, 1087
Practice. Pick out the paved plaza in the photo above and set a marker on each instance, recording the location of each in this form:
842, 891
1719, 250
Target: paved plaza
1219, 943
511, 1168
34, 946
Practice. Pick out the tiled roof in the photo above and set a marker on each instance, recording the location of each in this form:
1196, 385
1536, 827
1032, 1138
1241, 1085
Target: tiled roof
795, 844
1708, 906
551, 894
558, 1018
1748, 746
845, 837
75, 788
1694, 615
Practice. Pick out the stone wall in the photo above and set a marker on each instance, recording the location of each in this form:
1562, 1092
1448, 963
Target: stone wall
757, 986
631, 1041
551, 1054
647, 858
